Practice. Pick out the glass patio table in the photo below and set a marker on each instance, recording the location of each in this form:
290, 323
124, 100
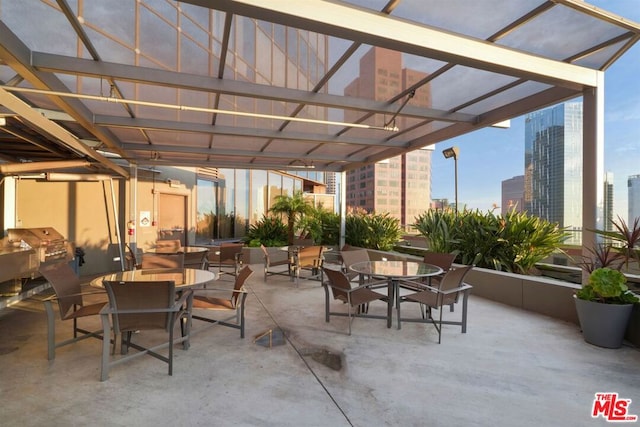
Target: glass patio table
182, 277
394, 272
181, 250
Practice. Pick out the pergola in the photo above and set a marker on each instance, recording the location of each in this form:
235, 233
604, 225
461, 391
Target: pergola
77, 88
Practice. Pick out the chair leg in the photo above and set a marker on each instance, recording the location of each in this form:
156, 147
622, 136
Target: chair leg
171, 349
465, 298
349, 311
104, 371
326, 304
126, 341
241, 321
440, 309
51, 331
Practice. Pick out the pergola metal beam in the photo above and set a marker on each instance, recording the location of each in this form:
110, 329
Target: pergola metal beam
38, 120
356, 24
221, 152
153, 76
17, 55
225, 163
166, 125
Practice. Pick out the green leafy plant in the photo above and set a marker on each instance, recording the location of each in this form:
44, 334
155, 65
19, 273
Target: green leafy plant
608, 286
322, 225
371, 230
294, 208
437, 226
514, 242
269, 231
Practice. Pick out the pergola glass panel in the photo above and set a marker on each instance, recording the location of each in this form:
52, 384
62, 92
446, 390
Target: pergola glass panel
248, 83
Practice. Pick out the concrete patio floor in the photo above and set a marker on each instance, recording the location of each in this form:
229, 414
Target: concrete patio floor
512, 368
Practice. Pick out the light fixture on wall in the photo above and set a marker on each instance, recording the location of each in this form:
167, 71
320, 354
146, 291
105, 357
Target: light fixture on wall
390, 127
448, 153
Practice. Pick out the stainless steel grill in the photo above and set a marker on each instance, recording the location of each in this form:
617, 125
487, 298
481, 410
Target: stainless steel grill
24, 249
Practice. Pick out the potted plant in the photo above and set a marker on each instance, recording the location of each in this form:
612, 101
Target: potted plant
604, 307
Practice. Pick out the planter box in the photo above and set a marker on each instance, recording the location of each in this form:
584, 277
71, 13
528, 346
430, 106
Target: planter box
252, 255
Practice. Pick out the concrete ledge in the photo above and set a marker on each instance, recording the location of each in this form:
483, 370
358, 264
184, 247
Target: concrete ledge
542, 295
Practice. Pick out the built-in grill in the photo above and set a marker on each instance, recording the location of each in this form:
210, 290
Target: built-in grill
24, 249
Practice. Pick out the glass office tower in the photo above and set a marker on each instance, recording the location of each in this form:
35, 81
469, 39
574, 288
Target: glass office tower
633, 185
553, 166
400, 185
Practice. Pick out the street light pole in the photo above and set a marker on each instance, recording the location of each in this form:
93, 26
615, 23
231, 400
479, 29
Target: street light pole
448, 153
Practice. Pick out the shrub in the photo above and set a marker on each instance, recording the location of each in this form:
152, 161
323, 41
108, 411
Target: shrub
322, 225
514, 242
295, 208
269, 231
435, 225
372, 231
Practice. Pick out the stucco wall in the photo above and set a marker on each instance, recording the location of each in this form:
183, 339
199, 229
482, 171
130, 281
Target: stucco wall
83, 212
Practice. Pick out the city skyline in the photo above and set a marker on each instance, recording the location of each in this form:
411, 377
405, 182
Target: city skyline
492, 155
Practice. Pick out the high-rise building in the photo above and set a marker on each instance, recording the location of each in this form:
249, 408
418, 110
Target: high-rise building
633, 184
607, 209
553, 165
400, 185
513, 194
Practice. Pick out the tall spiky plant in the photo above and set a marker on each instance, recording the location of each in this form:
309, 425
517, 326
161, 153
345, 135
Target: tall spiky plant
294, 207
627, 237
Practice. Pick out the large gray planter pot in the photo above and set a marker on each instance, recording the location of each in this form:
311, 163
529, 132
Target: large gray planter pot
603, 325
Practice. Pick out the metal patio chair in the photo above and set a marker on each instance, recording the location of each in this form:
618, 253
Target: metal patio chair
208, 299
274, 259
354, 297
72, 304
138, 306
162, 260
437, 297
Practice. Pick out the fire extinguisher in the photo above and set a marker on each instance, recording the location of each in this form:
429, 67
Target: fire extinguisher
131, 228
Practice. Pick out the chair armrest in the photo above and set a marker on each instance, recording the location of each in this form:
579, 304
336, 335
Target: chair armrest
348, 291
55, 297
418, 285
235, 291
460, 288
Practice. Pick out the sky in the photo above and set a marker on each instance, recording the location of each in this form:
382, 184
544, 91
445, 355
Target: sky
489, 156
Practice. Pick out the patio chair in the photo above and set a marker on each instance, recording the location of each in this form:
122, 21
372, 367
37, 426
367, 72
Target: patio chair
275, 258
301, 242
197, 260
144, 306
355, 297
168, 246
309, 259
225, 256
438, 297
442, 260
71, 304
162, 261
205, 299
350, 257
